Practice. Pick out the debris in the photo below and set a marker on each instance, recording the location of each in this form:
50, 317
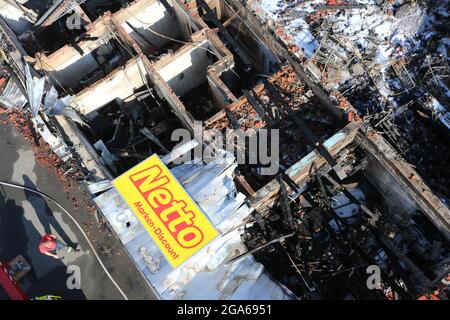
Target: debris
359, 110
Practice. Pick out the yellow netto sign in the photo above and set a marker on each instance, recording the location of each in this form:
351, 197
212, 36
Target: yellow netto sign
166, 210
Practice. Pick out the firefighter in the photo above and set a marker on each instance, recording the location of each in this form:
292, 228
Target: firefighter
51, 246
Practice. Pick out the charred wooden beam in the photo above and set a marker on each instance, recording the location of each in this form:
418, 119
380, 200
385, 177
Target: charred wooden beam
240, 179
153, 138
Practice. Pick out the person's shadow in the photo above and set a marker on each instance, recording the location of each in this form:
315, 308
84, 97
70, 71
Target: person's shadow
45, 214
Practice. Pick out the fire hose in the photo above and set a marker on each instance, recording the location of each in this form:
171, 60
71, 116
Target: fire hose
12, 185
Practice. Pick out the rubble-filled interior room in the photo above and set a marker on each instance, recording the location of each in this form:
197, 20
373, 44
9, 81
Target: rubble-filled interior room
389, 59
126, 117
109, 43
158, 27
126, 132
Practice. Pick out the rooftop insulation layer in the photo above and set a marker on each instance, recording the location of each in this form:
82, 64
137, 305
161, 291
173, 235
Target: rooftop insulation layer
205, 275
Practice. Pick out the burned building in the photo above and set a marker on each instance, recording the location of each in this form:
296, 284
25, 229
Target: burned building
360, 120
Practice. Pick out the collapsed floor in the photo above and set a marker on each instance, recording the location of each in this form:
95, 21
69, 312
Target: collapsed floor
281, 102
320, 242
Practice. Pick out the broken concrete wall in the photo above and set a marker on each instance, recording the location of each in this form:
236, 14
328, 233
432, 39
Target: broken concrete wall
409, 180
221, 94
67, 66
168, 94
97, 171
187, 68
263, 59
221, 97
188, 22
386, 184
198, 63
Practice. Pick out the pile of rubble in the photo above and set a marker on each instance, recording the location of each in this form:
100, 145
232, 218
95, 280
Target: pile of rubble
272, 105
320, 241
